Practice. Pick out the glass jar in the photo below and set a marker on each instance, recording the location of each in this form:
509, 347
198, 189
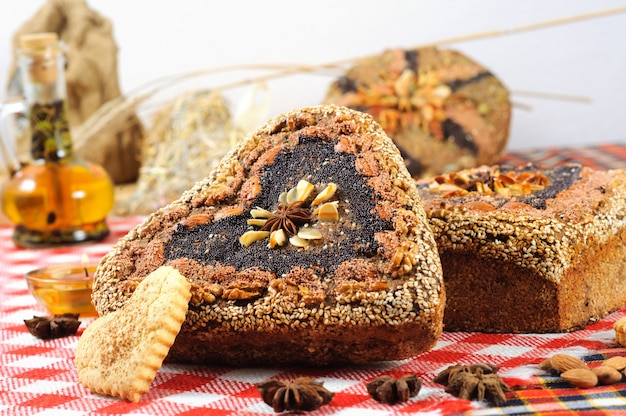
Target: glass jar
55, 198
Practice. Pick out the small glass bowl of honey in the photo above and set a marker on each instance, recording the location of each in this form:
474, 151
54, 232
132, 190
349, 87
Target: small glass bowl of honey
63, 288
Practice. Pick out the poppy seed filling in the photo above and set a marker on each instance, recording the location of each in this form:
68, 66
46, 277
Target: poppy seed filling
316, 161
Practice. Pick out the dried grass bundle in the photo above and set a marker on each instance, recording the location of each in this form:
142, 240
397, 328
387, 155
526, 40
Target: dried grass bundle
187, 138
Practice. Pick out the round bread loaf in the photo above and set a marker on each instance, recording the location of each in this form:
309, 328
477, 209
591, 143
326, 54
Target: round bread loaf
444, 111
306, 245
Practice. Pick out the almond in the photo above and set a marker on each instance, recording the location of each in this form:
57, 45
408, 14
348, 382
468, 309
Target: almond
620, 331
546, 365
607, 375
514, 205
326, 194
582, 378
620, 324
479, 206
617, 362
309, 233
564, 362
250, 237
277, 238
328, 212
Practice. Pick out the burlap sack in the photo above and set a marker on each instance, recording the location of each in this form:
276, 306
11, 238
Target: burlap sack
91, 81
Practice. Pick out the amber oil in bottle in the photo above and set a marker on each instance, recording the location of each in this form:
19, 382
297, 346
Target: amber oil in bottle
55, 198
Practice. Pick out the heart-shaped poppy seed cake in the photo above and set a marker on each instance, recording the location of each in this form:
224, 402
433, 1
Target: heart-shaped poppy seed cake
306, 244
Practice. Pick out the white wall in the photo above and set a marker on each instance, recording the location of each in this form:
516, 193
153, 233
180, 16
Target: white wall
160, 38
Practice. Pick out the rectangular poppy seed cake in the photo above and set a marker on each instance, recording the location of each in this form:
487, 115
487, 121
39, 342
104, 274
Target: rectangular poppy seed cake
529, 250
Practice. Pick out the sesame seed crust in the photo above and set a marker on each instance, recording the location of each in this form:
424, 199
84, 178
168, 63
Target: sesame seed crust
515, 268
254, 305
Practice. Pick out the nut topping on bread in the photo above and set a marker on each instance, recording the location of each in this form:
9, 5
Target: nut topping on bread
444, 111
488, 180
307, 244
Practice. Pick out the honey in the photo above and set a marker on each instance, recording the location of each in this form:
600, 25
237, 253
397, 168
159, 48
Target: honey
56, 198
63, 289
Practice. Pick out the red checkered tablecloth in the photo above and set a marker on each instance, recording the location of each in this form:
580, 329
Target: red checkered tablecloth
604, 156
38, 377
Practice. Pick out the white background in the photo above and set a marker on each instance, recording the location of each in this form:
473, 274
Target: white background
159, 38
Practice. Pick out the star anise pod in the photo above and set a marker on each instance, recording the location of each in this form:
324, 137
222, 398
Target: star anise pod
444, 376
288, 217
475, 382
300, 394
56, 327
387, 389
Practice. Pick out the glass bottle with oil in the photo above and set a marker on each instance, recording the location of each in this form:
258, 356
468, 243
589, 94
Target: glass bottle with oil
55, 198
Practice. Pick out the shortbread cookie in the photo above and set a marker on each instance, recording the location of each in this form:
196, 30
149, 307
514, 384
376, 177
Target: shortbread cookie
307, 244
119, 354
443, 110
529, 249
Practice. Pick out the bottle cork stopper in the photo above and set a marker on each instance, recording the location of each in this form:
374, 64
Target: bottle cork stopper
38, 40
42, 48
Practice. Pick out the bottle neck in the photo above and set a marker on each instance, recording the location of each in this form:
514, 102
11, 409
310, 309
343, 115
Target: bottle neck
43, 82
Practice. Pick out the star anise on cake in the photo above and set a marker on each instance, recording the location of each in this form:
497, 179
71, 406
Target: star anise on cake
294, 218
288, 218
474, 382
391, 390
300, 394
